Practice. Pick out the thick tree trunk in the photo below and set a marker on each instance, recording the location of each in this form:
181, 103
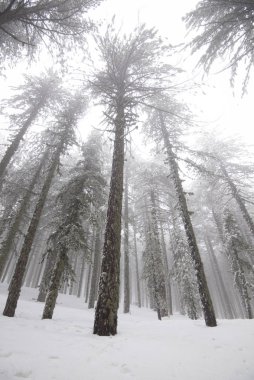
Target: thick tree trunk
8, 242
238, 199
16, 282
205, 297
11, 150
108, 299
136, 263
96, 267
54, 286
126, 301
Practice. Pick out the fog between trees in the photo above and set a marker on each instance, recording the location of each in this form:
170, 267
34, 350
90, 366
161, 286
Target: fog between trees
93, 217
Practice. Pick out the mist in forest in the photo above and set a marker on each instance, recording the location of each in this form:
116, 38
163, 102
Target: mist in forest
126, 177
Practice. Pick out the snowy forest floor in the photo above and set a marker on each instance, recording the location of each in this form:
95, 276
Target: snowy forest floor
144, 348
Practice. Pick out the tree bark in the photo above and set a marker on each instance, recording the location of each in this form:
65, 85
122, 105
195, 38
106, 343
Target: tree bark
54, 286
158, 260
204, 293
105, 323
126, 301
96, 267
80, 284
136, 263
50, 263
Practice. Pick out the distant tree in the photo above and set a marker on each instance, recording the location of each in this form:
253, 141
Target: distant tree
235, 247
150, 185
227, 32
63, 137
223, 163
153, 270
37, 93
184, 275
55, 23
165, 126
130, 71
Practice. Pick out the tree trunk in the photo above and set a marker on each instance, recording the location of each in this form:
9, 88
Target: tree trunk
88, 280
158, 260
238, 199
11, 150
80, 284
50, 263
136, 263
54, 286
96, 267
126, 301
16, 282
205, 297
108, 299
167, 278
7, 244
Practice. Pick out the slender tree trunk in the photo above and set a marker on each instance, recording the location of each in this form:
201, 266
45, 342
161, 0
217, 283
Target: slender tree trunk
157, 258
126, 301
136, 263
7, 244
54, 286
16, 282
238, 199
45, 281
205, 297
80, 284
74, 268
108, 299
96, 267
167, 278
12, 149
88, 281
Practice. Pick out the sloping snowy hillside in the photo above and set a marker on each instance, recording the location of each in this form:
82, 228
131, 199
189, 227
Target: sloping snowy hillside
144, 349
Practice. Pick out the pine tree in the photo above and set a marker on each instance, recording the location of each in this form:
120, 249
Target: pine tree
130, 71
64, 135
227, 30
235, 246
56, 23
34, 96
83, 191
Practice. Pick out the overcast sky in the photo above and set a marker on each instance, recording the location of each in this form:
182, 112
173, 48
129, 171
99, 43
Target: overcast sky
216, 105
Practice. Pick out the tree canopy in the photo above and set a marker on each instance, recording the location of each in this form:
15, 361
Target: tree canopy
227, 29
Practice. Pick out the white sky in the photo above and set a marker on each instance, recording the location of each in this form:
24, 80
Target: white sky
218, 106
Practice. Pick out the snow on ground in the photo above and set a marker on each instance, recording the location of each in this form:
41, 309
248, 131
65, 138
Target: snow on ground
144, 349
